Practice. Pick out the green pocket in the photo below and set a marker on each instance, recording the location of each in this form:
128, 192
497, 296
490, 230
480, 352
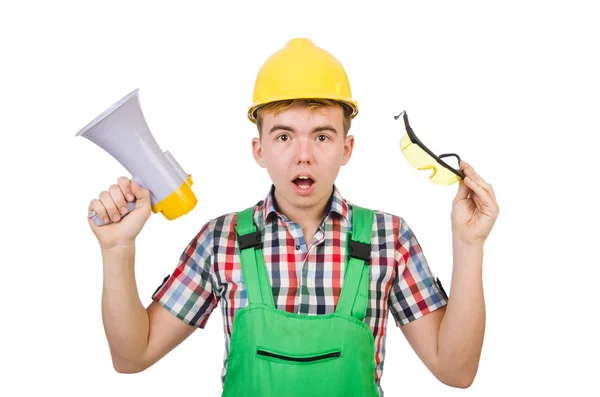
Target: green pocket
296, 358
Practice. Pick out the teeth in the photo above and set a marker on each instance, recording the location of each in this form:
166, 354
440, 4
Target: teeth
304, 187
302, 177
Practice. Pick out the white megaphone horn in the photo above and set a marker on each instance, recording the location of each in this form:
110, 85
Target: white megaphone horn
122, 131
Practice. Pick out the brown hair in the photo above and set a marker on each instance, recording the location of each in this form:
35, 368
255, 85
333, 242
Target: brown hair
311, 104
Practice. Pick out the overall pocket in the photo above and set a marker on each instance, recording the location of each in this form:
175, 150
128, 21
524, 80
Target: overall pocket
296, 358
298, 373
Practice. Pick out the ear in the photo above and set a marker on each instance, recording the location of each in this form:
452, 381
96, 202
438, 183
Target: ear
348, 146
257, 152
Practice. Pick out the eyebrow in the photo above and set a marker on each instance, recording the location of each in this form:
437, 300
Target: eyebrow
290, 129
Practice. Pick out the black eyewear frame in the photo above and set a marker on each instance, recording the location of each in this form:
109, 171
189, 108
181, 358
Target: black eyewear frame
417, 141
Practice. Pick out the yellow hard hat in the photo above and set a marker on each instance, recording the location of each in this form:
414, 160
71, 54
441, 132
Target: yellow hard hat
301, 70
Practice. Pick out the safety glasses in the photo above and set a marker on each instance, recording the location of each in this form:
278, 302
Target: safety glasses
421, 158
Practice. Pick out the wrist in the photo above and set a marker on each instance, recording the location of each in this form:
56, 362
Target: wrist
120, 248
467, 244
468, 249
467, 255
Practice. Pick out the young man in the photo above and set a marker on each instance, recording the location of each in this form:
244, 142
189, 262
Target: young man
305, 279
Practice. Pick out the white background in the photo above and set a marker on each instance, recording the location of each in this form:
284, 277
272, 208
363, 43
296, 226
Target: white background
512, 87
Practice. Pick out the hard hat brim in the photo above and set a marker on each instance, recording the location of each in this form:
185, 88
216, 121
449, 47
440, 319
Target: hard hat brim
349, 104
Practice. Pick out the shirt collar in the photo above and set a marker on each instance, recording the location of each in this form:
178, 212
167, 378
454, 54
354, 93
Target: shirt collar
336, 204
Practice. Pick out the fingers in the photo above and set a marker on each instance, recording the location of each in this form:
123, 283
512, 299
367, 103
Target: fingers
118, 198
97, 207
463, 191
142, 195
481, 193
483, 190
470, 172
125, 186
112, 204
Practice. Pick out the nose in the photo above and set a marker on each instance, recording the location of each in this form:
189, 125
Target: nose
304, 151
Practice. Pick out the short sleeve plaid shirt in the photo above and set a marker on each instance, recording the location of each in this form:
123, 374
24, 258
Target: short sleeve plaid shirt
306, 278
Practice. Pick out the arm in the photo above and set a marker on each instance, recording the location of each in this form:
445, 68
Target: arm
449, 340
137, 337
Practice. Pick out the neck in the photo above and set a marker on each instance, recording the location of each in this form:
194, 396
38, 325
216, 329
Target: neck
305, 217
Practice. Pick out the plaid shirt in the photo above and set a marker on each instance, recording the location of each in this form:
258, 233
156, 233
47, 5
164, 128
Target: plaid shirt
306, 278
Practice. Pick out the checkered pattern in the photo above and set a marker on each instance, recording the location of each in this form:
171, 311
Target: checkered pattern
306, 279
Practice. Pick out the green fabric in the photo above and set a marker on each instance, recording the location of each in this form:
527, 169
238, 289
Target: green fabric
276, 353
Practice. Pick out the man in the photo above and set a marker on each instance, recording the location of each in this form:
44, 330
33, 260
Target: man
305, 278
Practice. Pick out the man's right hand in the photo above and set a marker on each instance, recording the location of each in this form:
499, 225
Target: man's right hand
110, 207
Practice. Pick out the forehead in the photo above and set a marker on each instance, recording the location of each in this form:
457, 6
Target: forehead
302, 117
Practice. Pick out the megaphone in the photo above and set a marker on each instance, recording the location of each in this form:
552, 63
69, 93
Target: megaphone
121, 130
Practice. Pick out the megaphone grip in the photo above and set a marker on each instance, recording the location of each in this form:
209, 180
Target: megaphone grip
99, 222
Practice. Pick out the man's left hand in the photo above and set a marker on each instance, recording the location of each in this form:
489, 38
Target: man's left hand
474, 209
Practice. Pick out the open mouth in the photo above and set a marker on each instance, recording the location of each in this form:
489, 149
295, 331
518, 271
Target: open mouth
303, 182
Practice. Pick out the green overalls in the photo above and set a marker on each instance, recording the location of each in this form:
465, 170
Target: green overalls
276, 353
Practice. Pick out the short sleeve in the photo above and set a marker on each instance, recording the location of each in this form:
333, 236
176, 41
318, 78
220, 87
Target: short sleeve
189, 292
415, 291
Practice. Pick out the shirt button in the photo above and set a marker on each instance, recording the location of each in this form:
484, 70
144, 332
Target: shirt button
297, 247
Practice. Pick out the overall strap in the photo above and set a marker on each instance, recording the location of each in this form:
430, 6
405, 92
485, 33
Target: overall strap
355, 291
254, 270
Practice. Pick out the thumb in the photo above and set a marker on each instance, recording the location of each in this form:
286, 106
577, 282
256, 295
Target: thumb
142, 195
463, 191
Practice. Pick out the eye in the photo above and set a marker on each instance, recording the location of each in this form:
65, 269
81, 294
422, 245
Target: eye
322, 138
283, 138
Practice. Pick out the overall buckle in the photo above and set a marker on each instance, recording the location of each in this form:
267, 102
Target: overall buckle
360, 251
250, 240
